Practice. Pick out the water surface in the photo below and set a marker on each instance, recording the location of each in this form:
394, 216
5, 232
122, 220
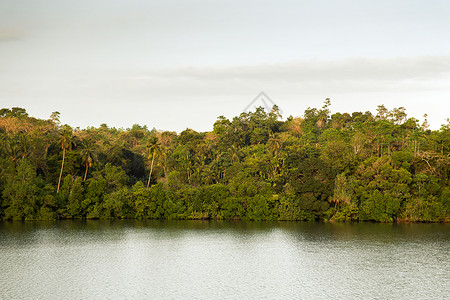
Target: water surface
211, 259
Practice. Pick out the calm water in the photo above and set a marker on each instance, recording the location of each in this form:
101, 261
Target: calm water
239, 260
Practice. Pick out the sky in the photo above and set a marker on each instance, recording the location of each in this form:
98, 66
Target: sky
177, 64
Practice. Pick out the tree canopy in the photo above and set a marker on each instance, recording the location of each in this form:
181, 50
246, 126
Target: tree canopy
321, 166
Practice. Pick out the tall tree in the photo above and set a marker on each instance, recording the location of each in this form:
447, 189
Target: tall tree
88, 155
66, 141
153, 150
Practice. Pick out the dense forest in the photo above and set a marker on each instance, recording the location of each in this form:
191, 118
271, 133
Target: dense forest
321, 166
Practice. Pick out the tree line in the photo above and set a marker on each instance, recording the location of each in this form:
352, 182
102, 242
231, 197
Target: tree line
382, 167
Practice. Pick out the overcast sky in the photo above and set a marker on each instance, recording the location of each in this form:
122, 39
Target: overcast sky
173, 64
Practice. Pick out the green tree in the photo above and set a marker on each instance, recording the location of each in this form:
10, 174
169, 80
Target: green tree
74, 204
88, 155
66, 140
381, 189
20, 195
153, 151
344, 207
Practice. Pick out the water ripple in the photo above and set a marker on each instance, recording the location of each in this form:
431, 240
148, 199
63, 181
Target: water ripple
223, 260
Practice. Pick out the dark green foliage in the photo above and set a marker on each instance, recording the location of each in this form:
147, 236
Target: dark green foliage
342, 167
381, 190
74, 203
134, 165
20, 193
92, 203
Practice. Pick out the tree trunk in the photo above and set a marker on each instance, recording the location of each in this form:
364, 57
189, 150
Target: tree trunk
85, 173
165, 167
62, 167
334, 212
165, 172
151, 170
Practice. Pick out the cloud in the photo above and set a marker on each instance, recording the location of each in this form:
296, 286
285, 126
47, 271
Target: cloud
354, 74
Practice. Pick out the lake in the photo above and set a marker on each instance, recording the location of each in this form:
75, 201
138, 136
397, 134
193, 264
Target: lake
225, 260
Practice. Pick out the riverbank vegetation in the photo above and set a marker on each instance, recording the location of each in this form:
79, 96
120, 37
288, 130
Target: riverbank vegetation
382, 167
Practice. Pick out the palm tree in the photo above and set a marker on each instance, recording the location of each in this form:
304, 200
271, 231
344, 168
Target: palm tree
11, 148
88, 155
15, 147
341, 195
234, 152
65, 140
274, 144
25, 146
153, 150
3, 144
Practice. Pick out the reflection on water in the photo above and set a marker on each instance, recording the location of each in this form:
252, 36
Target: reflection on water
215, 259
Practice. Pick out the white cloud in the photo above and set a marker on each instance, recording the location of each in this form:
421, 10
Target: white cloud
348, 75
